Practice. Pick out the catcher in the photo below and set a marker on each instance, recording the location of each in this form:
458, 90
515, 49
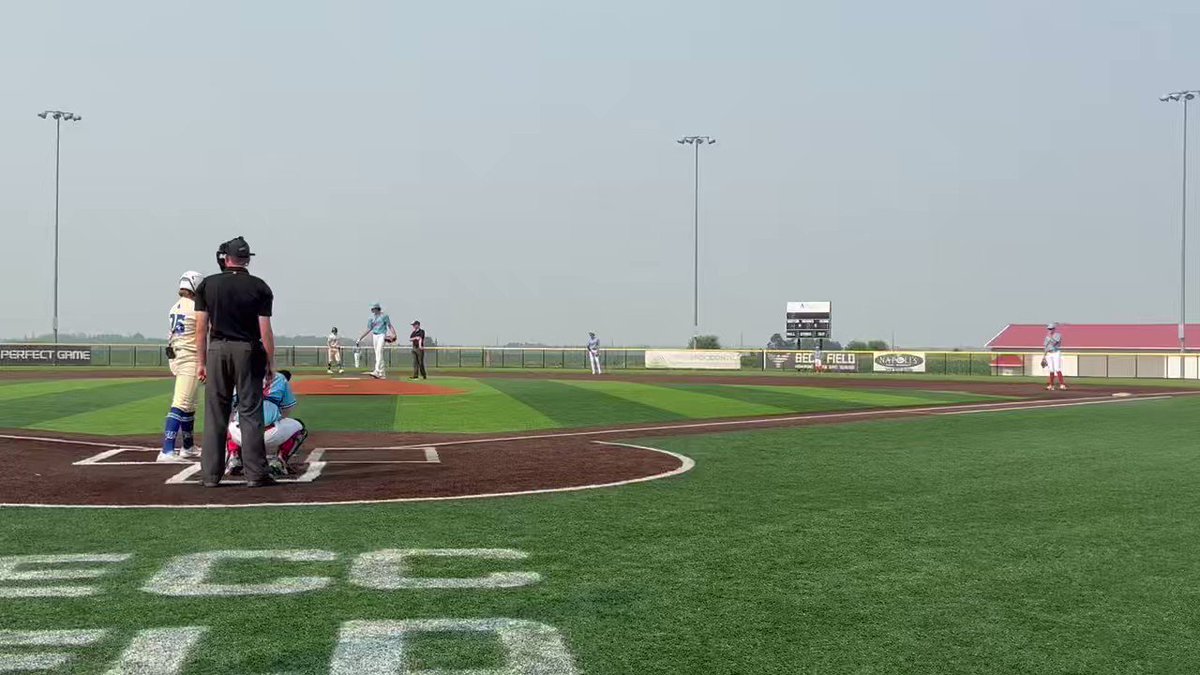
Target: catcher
282, 434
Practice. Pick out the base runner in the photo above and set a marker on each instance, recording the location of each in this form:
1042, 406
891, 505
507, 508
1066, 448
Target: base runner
1052, 355
181, 350
282, 433
334, 349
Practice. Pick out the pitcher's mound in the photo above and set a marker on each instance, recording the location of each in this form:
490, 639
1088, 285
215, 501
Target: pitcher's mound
366, 386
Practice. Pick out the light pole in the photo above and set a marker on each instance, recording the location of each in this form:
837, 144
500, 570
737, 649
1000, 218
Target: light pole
58, 116
696, 141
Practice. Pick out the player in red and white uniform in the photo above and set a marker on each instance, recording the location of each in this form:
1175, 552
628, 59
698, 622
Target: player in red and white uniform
1052, 355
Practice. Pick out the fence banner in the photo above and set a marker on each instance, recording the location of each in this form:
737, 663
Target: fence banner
45, 355
694, 359
780, 360
838, 362
899, 362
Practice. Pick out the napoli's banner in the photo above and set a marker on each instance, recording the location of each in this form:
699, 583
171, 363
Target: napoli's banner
45, 355
899, 362
693, 359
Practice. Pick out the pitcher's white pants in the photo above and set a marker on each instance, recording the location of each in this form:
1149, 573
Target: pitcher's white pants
379, 342
594, 357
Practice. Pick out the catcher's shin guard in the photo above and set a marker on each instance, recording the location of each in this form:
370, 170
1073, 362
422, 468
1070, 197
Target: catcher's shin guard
291, 445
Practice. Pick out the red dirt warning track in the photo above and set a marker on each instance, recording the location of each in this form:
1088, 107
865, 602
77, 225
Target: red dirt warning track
355, 386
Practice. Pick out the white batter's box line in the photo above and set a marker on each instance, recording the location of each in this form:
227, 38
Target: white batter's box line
98, 458
185, 477
431, 456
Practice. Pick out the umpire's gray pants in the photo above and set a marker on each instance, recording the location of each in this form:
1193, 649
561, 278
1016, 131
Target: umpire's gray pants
240, 365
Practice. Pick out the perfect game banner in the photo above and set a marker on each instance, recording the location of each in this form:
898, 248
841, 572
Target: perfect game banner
45, 355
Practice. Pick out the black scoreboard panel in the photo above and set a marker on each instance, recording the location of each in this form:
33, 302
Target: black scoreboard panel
814, 320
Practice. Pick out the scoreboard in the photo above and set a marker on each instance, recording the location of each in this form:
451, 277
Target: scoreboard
809, 320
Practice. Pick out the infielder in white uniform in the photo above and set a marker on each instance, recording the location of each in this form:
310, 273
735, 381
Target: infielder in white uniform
379, 327
334, 349
282, 433
593, 351
181, 350
1052, 355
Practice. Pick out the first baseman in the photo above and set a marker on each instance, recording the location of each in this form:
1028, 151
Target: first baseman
1052, 355
181, 349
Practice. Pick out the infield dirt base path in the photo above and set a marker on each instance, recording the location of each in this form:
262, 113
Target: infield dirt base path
62, 469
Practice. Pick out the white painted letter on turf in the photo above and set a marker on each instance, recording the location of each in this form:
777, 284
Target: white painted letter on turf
387, 570
10, 570
158, 651
30, 660
188, 575
379, 647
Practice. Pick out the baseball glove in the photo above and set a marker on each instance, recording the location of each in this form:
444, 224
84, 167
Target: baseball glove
1044, 363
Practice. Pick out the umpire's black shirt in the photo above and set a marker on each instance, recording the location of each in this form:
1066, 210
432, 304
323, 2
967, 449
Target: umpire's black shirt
234, 299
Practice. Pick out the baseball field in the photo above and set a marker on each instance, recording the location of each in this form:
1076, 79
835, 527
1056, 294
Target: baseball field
506, 523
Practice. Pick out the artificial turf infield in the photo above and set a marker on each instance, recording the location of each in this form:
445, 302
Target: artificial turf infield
1055, 541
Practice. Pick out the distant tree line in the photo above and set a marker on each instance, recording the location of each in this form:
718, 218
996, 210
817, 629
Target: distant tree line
778, 342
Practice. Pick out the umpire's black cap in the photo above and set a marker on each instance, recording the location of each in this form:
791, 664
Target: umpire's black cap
237, 248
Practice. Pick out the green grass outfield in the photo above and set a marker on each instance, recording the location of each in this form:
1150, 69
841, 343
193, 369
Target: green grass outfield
1049, 541
489, 405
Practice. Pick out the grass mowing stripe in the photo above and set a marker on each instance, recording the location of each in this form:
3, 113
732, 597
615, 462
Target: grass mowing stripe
483, 409
789, 399
863, 397
39, 409
578, 407
19, 389
346, 412
689, 404
142, 416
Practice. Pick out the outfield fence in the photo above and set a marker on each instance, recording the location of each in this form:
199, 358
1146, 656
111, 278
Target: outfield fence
1102, 365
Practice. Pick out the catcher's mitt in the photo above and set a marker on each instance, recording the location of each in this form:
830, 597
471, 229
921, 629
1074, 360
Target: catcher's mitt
1044, 363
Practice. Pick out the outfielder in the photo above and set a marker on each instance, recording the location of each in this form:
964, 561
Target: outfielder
282, 433
181, 350
1052, 355
379, 327
593, 350
334, 344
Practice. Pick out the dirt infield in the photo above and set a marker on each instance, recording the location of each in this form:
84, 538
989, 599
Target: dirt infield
365, 386
344, 468
341, 468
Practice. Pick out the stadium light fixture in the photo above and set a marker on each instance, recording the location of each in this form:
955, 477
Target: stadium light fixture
58, 116
696, 141
1185, 96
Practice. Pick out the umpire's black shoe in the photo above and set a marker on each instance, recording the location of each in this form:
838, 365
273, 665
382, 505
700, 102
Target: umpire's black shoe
265, 481
212, 483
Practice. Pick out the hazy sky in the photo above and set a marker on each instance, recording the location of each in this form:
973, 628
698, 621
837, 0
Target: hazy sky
508, 170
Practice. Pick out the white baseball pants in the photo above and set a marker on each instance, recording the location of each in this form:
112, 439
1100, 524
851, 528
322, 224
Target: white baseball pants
594, 357
379, 342
1054, 362
274, 436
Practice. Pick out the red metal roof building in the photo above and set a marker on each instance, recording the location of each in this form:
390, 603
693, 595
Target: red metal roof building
1098, 337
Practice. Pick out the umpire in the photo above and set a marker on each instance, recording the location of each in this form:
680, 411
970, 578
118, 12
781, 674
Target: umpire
235, 348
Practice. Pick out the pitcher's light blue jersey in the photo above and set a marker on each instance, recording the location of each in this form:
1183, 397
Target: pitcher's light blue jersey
1053, 342
379, 325
593, 344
